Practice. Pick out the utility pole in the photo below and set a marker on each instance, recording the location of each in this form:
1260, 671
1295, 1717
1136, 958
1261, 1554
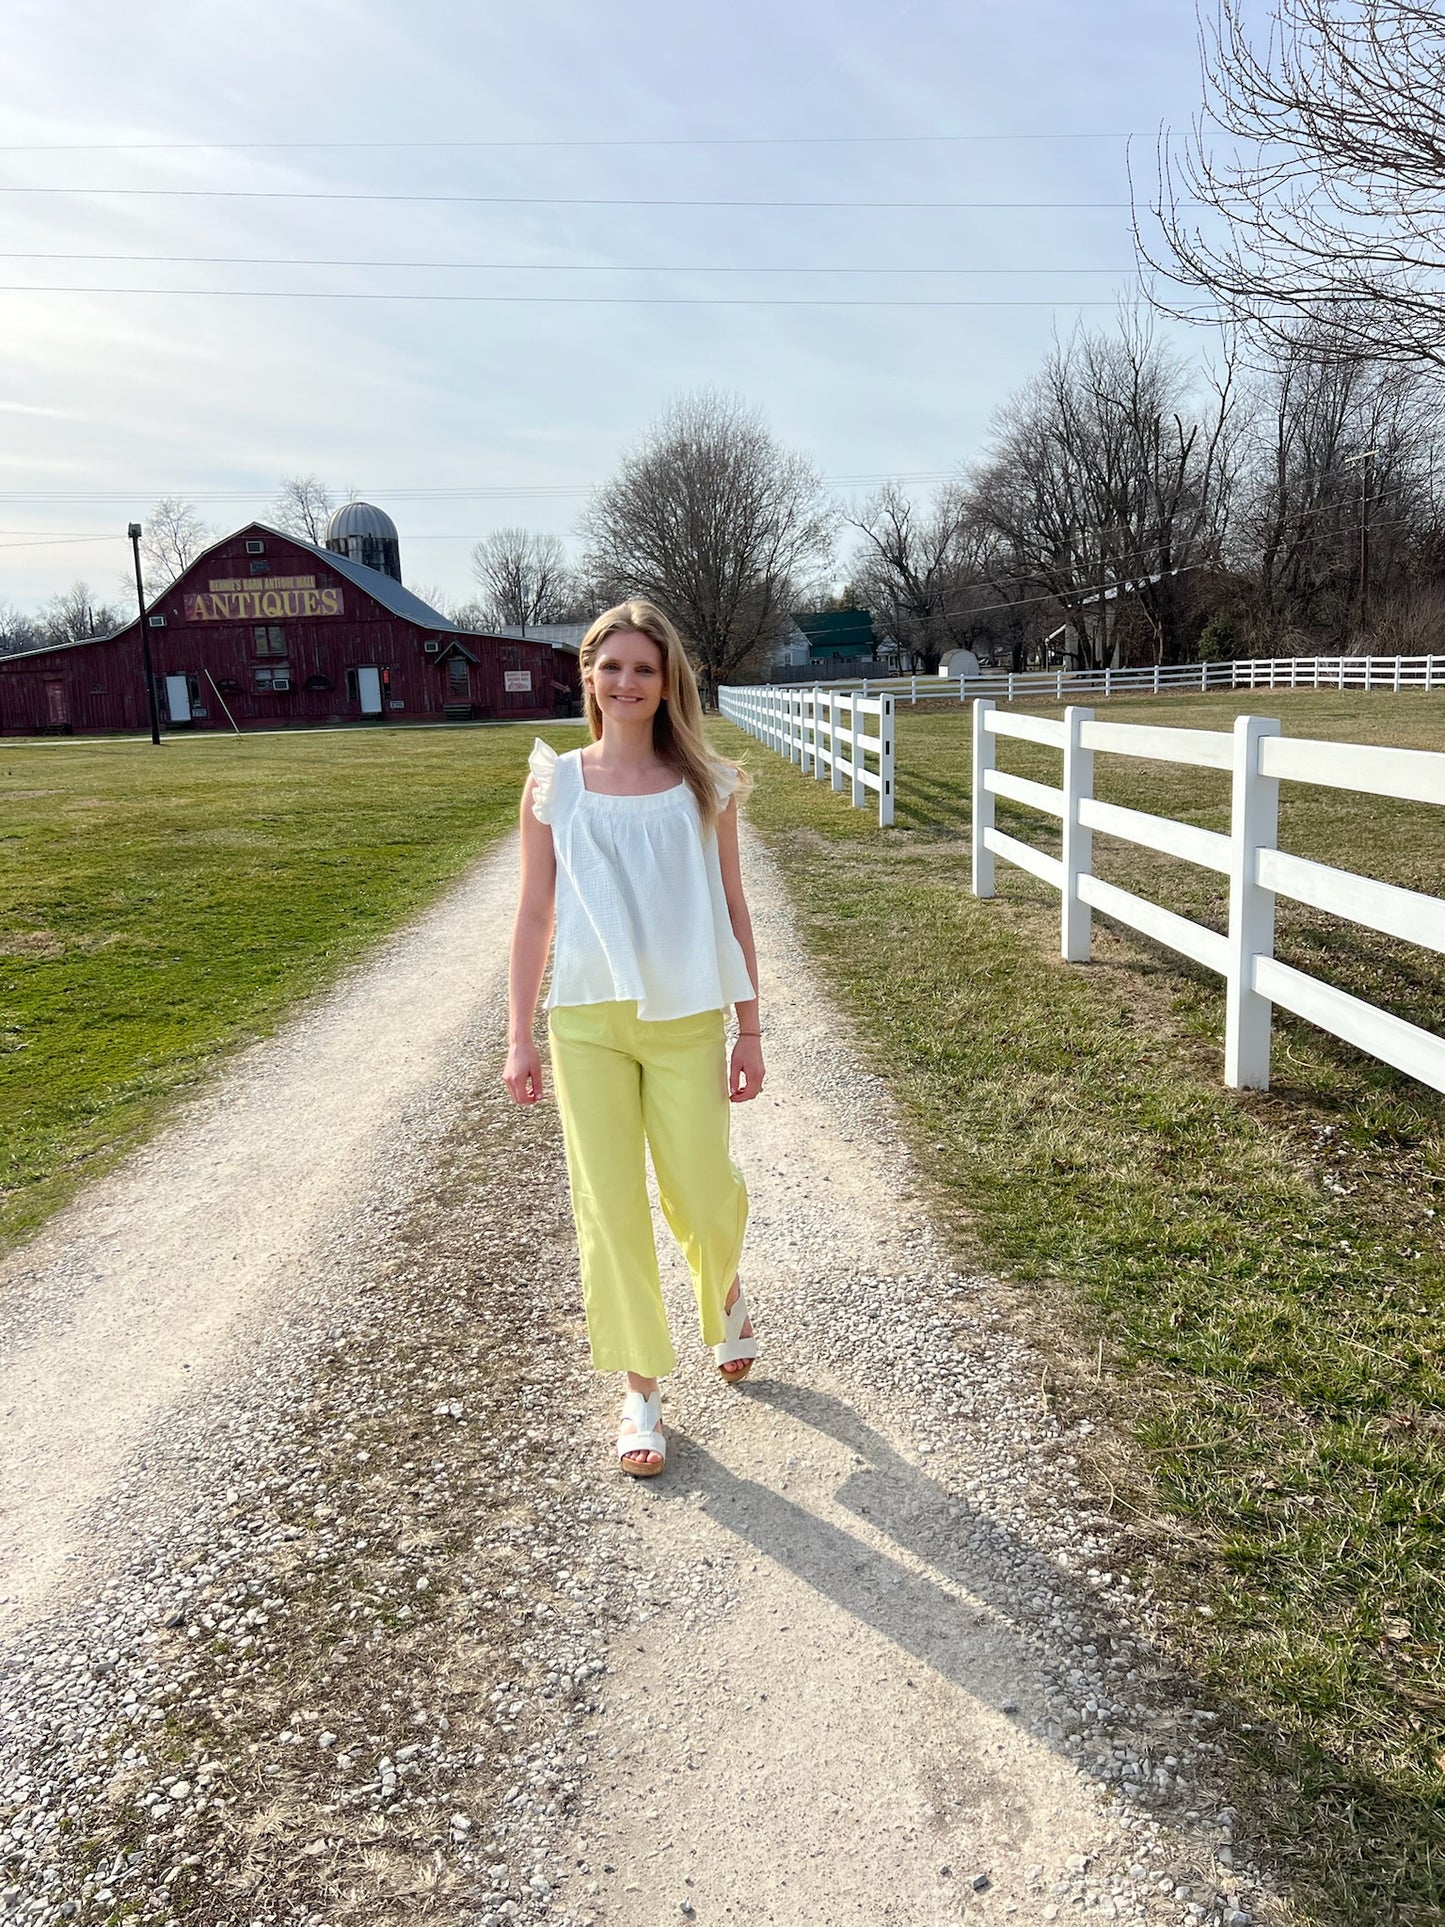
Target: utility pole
145, 636
1364, 460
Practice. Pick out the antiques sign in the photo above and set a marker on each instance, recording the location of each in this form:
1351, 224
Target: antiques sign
517, 679
234, 600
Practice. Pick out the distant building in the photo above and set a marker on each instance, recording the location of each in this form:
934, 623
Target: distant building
959, 662
265, 629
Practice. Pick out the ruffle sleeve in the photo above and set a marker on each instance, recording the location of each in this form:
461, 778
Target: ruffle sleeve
543, 766
730, 780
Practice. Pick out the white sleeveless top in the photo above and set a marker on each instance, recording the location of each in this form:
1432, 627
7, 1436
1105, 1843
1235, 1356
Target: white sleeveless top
641, 911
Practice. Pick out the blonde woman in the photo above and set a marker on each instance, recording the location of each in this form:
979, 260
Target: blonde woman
630, 847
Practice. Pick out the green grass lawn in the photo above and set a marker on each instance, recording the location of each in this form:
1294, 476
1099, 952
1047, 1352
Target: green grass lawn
1266, 1272
158, 906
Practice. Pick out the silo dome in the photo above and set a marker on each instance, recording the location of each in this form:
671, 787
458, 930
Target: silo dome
368, 535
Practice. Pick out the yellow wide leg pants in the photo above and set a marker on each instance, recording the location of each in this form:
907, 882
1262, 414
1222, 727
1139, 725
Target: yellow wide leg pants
623, 1082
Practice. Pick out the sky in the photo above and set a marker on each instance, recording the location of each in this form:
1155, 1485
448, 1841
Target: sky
525, 155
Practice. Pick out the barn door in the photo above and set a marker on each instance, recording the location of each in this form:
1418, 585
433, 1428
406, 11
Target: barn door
368, 689
57, 705
178, 698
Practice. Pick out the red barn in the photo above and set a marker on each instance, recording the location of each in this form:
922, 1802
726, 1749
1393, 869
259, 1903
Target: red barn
265, 630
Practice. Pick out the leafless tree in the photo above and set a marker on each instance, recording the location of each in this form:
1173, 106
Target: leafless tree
716, 522
1326, 201
525, 578
76, 615
1335, 490
17, 630
303, 506
915, 568
173, 536
1105, 482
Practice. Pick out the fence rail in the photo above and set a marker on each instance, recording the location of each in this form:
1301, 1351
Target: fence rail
1259, 758
823, 731
1388, 673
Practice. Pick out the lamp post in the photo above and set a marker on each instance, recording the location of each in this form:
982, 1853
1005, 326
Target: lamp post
133, 531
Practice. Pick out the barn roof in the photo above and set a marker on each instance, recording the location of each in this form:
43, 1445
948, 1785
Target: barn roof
381, 588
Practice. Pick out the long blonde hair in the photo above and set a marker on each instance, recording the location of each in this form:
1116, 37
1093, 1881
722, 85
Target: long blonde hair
677, 724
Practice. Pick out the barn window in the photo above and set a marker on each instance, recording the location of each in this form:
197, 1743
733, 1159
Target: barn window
353, 694
228, 686
255, 548
260, 568
270, 639
318, 682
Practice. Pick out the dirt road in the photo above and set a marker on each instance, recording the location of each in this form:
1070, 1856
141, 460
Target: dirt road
862, 1653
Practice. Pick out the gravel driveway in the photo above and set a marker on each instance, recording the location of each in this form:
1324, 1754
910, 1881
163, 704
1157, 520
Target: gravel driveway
323, 1601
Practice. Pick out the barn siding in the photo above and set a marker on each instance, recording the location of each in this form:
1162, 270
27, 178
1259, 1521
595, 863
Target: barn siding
104, 686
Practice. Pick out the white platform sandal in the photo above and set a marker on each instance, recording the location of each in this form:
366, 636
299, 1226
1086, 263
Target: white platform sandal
645, 1413
734, 1345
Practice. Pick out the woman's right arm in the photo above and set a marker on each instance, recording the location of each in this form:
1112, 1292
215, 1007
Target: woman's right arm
531, 939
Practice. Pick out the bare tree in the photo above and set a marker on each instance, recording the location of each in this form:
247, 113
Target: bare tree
1335, 490
17, 630
717, 523
174, 535
915, 568
1104, 484
1329, 203
303, 506
525, 578
76, 616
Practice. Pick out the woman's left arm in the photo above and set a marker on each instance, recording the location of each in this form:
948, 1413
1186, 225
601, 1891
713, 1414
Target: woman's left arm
745, 1071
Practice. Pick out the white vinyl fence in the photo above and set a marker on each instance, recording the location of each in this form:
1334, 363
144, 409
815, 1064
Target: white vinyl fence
823, 731
1258, 759
1388, 673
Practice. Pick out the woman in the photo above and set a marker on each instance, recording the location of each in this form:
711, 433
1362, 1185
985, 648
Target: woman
631, 845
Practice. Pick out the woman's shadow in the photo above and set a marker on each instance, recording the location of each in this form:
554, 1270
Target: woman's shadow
980, 1623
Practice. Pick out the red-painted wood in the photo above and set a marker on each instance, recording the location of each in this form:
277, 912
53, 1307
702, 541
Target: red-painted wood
210, 637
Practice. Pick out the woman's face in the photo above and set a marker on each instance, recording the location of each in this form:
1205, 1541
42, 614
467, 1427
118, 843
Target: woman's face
626, 676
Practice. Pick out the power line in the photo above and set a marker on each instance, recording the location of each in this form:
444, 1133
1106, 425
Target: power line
585, 300
705, 140
548, 491
563, 200
510, 267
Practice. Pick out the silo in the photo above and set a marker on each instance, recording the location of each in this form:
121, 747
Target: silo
367, 534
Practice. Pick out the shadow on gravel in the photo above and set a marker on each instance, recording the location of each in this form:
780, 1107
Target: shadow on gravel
1013, 1641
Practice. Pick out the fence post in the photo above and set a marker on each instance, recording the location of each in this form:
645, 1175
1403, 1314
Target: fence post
1108, 681
984, 743
817, 762
1076, 932
835, 765
1253, 826
1156, 679
1397, 675
962, 687
913, 698
1010, 685
855, 755
885, 761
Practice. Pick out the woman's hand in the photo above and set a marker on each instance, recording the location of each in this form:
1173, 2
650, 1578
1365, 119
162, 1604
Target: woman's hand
745, 1071
523, 1073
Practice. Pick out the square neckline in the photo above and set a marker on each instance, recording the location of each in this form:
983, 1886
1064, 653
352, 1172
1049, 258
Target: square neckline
633, 796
